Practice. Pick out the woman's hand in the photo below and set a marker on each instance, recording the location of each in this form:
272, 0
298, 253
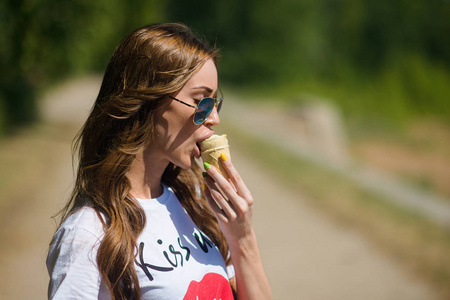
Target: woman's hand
231, 201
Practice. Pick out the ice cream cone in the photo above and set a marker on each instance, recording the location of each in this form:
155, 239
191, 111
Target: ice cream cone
211, 149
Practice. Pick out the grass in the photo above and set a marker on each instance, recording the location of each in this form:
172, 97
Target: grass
419, 244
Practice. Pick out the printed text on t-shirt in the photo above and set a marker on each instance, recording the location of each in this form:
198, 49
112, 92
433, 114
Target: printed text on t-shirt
175, 257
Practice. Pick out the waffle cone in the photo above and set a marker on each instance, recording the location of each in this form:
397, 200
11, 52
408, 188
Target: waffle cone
211, 149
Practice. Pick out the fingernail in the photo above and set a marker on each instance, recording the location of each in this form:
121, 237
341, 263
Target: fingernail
204, 174
223, 157
206, 165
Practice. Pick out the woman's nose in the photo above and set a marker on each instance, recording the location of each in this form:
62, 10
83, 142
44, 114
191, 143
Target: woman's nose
213, 118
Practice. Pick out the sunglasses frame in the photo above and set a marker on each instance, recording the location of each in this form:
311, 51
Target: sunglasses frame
217, 102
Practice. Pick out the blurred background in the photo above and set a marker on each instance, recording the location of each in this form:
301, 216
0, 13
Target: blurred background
344, 106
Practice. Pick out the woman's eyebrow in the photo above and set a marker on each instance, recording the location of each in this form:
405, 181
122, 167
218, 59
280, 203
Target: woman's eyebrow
209, 90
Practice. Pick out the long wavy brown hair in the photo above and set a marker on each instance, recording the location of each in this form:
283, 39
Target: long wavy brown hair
150, 63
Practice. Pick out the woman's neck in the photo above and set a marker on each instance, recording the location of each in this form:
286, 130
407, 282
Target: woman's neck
145, 175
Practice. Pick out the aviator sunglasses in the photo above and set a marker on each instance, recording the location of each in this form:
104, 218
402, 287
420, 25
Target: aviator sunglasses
203, 109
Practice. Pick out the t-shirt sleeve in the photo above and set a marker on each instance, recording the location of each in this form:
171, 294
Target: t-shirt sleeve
72, 267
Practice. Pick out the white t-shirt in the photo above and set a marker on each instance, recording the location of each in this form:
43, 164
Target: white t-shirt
175, 261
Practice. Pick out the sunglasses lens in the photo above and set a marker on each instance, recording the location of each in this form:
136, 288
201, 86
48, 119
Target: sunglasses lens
204, 109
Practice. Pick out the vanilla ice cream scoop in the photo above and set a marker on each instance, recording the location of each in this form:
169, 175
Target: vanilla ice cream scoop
211, 149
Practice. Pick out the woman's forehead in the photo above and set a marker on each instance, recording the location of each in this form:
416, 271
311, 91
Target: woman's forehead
205, 79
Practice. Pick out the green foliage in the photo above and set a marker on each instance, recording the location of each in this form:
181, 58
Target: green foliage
44, 41
383, 62
423, 84
2, 117
261, 42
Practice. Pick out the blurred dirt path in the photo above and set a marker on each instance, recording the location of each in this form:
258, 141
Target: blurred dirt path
306, 256
38, 182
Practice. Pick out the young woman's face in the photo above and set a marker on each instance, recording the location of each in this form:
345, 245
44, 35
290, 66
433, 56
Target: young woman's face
176, 135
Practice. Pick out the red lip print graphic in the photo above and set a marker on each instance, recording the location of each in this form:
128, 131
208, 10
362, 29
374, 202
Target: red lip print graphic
212, 286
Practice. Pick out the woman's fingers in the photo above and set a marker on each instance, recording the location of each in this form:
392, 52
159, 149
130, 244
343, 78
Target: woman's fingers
235, 191
236, 179
215, 194
214, 206
230, 200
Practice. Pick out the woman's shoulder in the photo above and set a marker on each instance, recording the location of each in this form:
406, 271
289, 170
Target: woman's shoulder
84, 221
71, 258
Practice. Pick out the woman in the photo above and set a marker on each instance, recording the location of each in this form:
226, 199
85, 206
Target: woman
143, 222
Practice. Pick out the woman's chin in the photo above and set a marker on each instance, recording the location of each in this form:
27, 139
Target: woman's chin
189, 162
186, 164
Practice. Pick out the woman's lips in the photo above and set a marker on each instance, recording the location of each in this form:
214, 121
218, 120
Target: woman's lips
197, 152
206, 136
